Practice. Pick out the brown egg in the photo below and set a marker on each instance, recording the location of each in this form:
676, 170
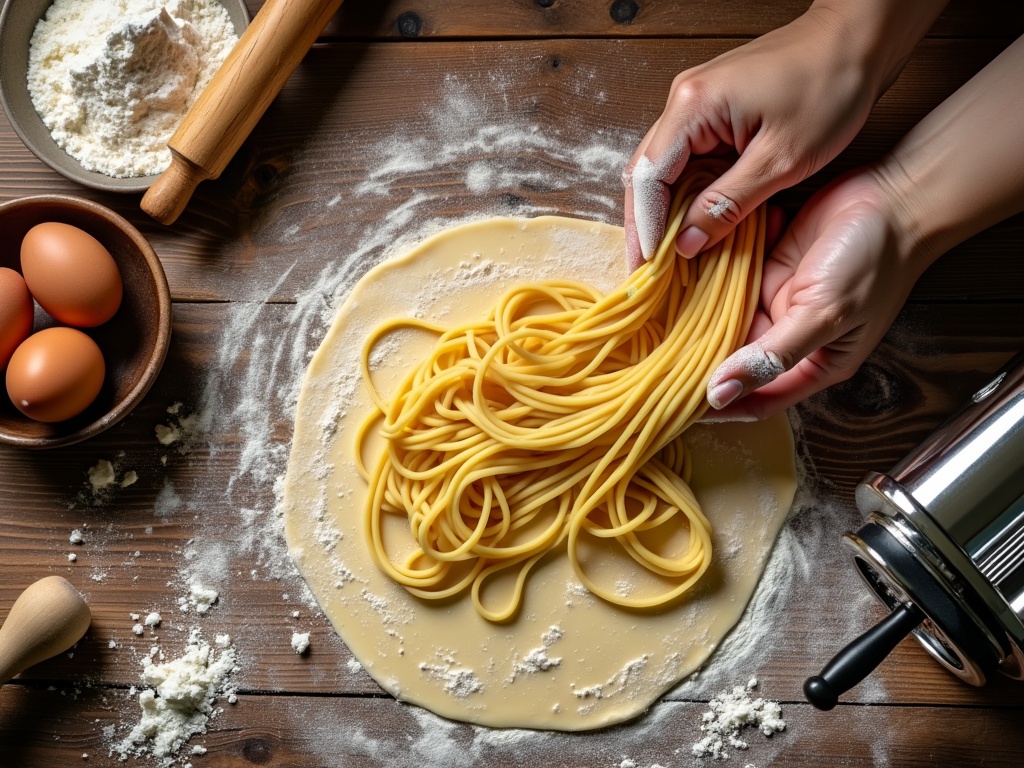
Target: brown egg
15, 313
70, 274
55, 374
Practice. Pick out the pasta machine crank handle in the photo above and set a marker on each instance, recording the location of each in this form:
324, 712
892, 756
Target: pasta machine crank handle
858, 659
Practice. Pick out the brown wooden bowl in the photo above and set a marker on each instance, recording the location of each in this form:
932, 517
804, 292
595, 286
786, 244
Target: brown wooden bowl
134, 341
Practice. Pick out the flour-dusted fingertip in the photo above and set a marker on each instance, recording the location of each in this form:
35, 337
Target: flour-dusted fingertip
755, 364
650, 205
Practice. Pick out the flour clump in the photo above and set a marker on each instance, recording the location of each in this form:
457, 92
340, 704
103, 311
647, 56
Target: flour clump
729, 713
112, 80
179, 699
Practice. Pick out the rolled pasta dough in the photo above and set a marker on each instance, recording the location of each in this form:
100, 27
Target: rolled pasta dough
569, 660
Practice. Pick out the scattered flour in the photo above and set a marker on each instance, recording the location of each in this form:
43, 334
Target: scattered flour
167, 501
112, 79
199, 597
179, 700
538, 660
618, 683
101, 476
720, 208
354, 666
103, 480
180, 430
458, 681
728, 714
300, 642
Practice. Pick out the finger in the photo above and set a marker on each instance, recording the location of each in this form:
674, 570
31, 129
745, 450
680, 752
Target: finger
775, 277
634, 257
758, 405
755, 177
791, 339
657, 167
807, 378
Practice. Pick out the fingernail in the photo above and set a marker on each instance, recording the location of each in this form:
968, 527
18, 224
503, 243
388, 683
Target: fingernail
722, 394
690, 241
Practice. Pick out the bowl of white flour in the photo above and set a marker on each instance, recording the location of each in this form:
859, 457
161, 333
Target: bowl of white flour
95, 88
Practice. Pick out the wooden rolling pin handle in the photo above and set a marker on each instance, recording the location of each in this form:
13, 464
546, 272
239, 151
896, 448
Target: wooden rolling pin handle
46, 619
236, 97
169, 194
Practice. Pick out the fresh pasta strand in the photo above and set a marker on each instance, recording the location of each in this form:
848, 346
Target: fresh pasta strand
557, 417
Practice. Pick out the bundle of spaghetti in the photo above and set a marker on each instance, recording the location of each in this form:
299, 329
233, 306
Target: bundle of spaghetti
557, 417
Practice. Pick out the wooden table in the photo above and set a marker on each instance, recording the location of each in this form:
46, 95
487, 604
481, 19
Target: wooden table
251, 266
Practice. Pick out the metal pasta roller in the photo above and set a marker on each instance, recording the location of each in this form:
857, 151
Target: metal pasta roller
942, 547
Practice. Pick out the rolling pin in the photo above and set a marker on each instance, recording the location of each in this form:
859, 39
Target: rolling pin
46, 619
234, 100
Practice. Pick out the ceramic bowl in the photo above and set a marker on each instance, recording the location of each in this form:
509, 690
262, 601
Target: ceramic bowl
17, 23
134, 341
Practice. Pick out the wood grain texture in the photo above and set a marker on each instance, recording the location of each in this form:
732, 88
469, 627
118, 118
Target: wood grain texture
442, 19
249, 257
373, 733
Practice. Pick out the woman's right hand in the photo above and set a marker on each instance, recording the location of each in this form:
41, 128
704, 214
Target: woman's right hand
787, 103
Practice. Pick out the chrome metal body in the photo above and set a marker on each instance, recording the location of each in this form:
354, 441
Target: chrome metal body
948, 530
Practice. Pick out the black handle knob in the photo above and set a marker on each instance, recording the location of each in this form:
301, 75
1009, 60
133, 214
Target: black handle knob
857, 660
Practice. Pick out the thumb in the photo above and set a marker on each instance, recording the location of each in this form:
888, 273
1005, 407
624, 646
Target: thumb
790, 340
717, 210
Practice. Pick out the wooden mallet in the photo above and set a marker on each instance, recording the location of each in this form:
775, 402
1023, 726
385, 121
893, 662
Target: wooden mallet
46, 619
232, 103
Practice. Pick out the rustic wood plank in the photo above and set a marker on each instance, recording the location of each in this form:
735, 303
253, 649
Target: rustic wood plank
434, 19
300, 194
42, 728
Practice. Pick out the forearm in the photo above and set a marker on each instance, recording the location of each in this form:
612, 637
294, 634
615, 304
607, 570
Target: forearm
879, 34
961, 169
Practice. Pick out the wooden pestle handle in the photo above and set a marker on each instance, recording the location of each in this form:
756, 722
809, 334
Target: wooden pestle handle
235, 99
46, 619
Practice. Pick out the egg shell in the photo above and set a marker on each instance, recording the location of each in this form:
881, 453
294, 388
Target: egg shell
55, 374
15, 313
71, 274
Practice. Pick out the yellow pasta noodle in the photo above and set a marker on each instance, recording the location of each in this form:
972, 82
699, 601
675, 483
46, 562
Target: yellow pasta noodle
557, 418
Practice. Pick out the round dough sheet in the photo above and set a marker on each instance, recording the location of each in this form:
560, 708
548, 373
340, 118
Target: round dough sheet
568, 660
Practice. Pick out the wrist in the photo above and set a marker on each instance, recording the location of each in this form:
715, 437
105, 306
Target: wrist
961, 169
878, 35
912, 226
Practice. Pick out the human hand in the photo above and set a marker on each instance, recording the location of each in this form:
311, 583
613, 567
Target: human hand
787, 103
831, 288
843, 269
